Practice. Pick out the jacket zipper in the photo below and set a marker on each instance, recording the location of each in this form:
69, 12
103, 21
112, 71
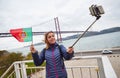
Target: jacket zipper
53, 59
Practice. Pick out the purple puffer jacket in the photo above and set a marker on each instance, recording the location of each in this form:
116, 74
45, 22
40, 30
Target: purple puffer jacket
54, 63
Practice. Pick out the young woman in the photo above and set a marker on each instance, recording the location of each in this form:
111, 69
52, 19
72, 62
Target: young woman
53, 54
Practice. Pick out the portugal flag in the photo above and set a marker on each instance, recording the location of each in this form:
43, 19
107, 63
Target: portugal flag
22, 34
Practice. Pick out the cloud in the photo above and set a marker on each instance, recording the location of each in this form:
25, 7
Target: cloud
72, 14
24, 13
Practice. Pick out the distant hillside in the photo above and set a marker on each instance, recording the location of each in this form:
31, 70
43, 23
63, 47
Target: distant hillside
92, 33
110, 30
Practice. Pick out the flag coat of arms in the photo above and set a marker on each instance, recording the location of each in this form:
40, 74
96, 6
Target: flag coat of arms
22, 34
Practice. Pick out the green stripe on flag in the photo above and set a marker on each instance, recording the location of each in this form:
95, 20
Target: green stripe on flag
29, 35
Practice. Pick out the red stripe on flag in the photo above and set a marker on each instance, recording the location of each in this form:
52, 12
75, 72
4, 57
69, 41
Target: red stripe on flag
17, 33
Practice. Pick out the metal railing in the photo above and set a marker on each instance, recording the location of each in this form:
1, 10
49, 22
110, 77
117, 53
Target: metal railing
73, 72
83, 72
16, 70
39, 72
20, 70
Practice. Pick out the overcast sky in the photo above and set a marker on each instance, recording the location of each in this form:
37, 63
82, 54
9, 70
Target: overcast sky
72, 14
40, 14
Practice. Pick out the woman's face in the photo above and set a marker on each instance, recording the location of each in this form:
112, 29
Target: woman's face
51, 38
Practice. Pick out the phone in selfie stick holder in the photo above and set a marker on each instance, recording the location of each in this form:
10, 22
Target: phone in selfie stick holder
96, 11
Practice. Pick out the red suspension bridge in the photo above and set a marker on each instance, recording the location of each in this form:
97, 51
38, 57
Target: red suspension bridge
40, 33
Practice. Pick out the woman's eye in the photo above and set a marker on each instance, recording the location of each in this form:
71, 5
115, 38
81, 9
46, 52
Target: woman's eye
53, 36
49, 37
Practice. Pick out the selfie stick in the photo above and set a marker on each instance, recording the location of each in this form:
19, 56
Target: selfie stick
84, 32
96, 11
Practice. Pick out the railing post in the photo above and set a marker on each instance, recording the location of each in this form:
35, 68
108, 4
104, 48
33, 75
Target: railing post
109, 71
17, 70
23, 70
72, 72
100, 73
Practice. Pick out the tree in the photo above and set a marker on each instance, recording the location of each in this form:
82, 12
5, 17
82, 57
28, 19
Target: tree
3, 52
7, 59
29, 56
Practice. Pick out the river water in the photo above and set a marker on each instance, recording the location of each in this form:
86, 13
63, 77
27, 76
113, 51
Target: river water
97, 42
